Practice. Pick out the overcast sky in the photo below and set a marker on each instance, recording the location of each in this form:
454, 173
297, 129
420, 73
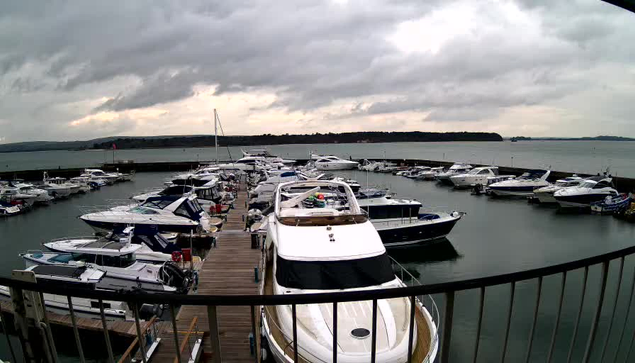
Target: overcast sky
87, 69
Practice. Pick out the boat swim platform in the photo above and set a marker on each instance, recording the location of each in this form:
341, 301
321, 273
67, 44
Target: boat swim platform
228, 269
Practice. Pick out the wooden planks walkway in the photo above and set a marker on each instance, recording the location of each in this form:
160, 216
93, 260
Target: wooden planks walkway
228, 269
119, 327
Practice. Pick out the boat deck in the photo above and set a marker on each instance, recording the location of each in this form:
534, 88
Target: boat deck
423, 344
228, 269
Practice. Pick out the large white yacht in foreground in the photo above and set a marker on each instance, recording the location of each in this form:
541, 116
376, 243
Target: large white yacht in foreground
318, 244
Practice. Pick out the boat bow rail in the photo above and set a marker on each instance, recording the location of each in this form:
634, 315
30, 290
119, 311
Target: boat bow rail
605, 309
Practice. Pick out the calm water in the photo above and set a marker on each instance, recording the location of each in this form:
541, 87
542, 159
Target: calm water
574, 156
496, 236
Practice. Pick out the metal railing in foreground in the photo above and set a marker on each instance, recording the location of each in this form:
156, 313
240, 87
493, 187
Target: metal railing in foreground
593, 346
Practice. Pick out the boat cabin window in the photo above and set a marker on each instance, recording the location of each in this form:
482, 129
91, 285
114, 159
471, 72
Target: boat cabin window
392, 211
334, 275
189, 209
602, 184
84, 257
484, 171
95, 304
116, 261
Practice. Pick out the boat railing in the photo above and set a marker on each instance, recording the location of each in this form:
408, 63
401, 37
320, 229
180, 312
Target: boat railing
594, 321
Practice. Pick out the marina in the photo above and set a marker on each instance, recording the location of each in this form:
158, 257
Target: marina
233, 267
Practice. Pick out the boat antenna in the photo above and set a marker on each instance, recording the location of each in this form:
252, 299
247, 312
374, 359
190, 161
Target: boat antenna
216, 134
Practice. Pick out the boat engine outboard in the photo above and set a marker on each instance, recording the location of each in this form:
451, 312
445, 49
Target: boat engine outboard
173, 276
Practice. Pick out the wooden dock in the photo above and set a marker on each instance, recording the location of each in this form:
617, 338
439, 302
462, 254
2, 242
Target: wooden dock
228, 269
119, 327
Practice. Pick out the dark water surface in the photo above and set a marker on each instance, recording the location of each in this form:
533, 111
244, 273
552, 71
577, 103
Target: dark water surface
496, 236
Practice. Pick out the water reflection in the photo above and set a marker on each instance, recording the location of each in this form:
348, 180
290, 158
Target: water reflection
438, 251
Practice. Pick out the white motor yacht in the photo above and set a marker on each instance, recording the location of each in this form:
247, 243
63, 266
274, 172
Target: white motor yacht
545, 194
331, 162
400, 222
326, 246
475, 176
456, 169
77, 277
41, 195
14, 195
97, 174
594, 189
56, 189
430, 174
521, 186
117, 260
169, 213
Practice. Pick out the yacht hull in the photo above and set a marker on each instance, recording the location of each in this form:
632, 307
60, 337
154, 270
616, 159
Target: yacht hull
336, 166
524, 191
107, 226
579, 201
395, 233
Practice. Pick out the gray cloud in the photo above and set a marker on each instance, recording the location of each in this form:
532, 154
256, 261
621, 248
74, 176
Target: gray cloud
310, 54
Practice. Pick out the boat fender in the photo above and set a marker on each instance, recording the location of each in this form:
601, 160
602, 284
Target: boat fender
177, 256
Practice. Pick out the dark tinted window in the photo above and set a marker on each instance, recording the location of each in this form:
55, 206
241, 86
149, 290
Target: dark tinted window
334, 275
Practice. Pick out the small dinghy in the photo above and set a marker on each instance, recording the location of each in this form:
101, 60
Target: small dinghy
611, 204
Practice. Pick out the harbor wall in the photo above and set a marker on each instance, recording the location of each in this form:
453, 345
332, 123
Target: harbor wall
622, 184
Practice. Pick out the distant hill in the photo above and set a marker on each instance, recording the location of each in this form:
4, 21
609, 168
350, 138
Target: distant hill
594, 138
131, 142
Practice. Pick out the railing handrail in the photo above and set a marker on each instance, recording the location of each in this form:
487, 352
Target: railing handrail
319, 298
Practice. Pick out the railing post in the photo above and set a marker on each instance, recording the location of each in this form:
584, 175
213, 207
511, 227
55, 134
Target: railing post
78, 341
335, 332
135, 308
555, 328
47, 329
447, 327
214, 334
175, 331
509, 320
626, 315
617, 297
6, 335
479, 324
294, 317
111, 357
373, 343
534, 320
413, 303
21, 323
598, 314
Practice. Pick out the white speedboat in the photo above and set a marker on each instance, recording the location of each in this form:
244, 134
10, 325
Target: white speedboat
117, 260
333, 247
98, 174
400, 222
413, 173
82, 277
168, 213
594, 189
153, 246
8, 209
545, 194
41, 195
521, 186
430, 174
456, 169
473, 177
331, 162
14, 195
198, 177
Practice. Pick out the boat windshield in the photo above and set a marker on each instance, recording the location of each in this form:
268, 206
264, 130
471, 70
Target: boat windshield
143, 210
588, 184
334, 275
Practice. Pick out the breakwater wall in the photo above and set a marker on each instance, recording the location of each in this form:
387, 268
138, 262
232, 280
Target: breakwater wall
621, 183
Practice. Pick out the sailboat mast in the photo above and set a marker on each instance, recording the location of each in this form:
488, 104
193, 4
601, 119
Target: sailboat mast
216, 134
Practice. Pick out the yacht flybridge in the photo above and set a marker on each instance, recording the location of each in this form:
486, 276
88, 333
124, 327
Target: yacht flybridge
169, 213
319, 241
